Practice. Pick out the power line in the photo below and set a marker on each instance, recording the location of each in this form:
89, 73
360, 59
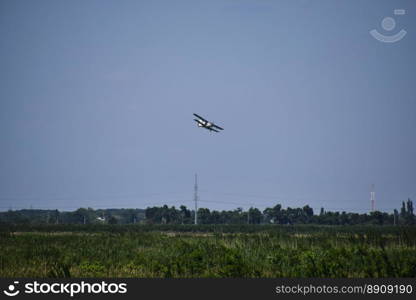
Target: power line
226, 202
78, 198
126, 206
242, 195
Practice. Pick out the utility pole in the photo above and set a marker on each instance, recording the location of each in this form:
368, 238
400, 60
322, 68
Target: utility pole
196, 198
373, 198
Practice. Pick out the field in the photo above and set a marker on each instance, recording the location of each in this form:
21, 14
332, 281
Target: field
184, 251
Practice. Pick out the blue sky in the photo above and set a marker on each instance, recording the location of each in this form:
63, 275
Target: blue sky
96, 103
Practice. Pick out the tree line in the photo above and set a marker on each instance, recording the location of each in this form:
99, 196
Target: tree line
278, 215
79, 216
182, 215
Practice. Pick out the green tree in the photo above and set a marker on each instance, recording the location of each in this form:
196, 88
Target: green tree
112, 220
185, 215
204, 216
410, 218
254, 216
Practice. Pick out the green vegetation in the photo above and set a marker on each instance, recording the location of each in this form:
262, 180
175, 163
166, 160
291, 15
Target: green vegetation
279, 215
207, 251
171, 215
79, 216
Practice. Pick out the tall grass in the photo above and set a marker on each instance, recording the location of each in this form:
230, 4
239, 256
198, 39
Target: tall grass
207, 251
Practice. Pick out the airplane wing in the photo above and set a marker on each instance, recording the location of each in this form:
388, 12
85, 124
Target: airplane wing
198, 121
216, 126
200, 117
212, 129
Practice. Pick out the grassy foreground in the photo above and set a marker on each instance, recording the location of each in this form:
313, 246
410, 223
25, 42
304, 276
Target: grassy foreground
208, 251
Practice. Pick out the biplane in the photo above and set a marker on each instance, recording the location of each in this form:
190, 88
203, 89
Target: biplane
201, 122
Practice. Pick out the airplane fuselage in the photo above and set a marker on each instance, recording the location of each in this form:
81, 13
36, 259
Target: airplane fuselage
202, 123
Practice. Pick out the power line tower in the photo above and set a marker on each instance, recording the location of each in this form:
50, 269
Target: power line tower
196, 198
373, 198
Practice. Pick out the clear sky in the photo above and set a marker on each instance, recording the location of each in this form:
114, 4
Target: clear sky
96, 103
